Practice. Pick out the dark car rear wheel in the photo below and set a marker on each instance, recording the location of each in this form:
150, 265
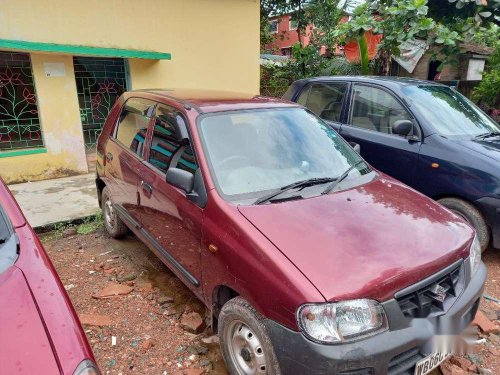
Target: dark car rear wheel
245, 344
112, 222
470, 214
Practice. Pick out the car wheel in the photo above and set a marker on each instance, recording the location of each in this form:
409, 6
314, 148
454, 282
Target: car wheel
113, 224
470, 214
245, 344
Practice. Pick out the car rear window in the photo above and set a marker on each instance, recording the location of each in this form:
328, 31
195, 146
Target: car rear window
8, 242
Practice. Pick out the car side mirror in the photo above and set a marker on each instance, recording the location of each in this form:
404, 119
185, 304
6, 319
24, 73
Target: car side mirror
402, 127
356, 147
180, 179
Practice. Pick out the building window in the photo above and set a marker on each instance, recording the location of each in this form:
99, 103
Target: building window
286, 51
293, 23
19, 122
273, 26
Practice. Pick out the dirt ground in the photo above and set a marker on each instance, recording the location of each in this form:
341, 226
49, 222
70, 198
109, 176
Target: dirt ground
140, 332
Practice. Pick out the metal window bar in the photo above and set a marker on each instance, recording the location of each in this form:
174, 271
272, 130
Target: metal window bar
19, 121
99, 82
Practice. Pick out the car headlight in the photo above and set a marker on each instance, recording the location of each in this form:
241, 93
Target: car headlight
338, 322
87, 367
475, 256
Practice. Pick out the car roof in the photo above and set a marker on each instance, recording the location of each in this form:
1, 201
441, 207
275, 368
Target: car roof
386, 81
206, 101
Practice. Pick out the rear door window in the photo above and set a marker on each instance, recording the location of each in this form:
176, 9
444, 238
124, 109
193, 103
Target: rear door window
166, 148
376, 109
133, 124
326, 100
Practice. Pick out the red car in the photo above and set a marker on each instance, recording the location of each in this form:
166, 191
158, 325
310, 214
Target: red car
309, 260
39, 329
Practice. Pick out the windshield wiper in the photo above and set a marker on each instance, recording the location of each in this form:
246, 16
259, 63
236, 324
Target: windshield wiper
342, 177
302, 183
487, 135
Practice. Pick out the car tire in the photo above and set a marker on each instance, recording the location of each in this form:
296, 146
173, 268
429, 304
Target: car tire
245, 344
472, 215
115, 227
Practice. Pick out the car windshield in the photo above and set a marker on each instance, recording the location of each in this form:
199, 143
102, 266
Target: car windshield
254, 152
449, 112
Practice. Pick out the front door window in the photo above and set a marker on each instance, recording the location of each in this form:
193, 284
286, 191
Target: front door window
376, 109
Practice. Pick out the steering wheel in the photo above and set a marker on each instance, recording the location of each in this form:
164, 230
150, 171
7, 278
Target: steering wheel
232, 159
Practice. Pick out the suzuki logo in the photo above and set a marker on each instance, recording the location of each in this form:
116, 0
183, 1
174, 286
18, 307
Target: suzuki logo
439, 293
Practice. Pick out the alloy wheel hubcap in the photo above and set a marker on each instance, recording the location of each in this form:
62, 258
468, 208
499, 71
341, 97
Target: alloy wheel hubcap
245, 349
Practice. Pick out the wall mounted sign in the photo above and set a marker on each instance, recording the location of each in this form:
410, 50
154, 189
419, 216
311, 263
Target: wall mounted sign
54, 69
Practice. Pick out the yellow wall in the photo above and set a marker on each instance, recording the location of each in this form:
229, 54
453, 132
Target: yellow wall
61, 126
214, 45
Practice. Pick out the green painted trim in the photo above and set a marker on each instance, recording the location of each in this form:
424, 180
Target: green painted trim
83, 50
27, 151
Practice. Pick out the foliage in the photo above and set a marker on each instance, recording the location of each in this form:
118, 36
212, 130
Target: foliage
490, 36
339, 66
275, 79
487, 92
467, 17
398, 21
327, 15
91, 224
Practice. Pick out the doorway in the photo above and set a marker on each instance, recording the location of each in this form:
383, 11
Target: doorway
99, 82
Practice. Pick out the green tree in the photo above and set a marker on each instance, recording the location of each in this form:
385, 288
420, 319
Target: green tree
398, 21
487, 92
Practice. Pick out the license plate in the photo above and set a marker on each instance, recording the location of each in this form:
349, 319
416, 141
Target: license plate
429, 363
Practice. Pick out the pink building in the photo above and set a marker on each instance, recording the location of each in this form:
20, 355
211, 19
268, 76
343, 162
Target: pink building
284, 28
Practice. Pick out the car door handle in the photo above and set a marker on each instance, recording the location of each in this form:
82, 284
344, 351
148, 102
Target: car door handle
147, 187
109, 156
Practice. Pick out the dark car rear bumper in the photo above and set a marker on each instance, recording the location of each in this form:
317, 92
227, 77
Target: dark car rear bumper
490, 208
393, 352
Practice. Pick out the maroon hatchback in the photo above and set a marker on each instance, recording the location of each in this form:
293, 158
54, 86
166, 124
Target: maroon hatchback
309, 260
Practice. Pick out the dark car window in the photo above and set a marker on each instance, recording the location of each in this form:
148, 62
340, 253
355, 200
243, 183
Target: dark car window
133, 124
165, 143
376, 109
325, 100
302, 99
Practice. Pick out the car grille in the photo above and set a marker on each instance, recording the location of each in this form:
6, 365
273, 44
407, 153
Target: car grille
432, 298
404, 363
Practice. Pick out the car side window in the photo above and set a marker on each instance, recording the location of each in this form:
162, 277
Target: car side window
302, 99
133, 124
326, 99
376, 109
166, 148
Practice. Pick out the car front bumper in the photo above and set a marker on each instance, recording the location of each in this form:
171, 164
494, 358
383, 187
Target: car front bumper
393, 352
490, 208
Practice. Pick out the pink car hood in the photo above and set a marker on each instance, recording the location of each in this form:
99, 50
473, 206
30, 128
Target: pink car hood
366, 242
24, 345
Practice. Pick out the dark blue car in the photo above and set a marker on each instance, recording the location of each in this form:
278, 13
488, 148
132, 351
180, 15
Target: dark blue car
425, 134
